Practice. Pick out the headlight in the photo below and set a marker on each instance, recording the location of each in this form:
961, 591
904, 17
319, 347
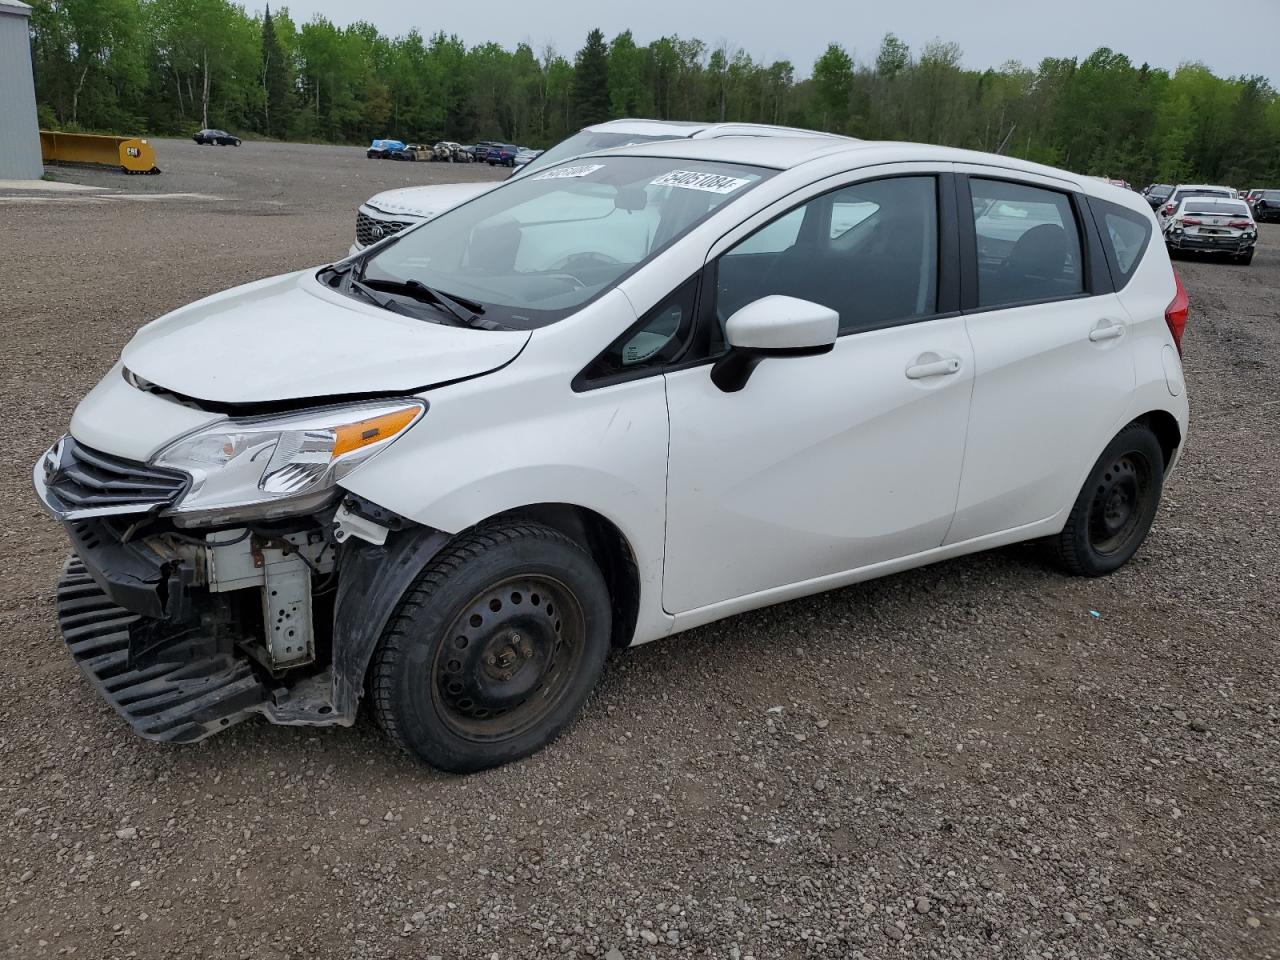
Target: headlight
278, 466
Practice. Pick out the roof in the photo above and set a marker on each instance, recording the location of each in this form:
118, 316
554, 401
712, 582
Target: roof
15, 7
647, 128
778, 153
785, 152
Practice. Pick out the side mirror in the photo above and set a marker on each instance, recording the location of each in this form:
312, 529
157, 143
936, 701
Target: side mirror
774, 326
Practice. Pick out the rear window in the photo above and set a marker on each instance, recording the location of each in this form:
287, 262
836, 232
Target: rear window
1125, 235
1223, 208
1268, 195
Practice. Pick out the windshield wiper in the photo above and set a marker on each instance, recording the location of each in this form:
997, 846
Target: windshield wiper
466, 312
382, 300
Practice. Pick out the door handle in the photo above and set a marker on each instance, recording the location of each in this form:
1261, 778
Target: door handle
933, 368
1110, 332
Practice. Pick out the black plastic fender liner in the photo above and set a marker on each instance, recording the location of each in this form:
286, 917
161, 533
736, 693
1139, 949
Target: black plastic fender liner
371, 581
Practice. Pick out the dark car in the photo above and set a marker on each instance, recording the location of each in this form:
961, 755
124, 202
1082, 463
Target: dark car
1157, 194
503, 155
482, 149
1265, 205
216, 138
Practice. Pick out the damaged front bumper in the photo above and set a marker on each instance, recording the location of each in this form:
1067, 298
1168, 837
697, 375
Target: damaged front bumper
188, 632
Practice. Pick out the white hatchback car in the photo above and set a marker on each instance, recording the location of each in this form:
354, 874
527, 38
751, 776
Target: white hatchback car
617, 399
387, 213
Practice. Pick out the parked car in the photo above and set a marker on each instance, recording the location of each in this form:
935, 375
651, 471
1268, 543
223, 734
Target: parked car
1265, 205
1212, 225
446, 151
391, 211
216, 138
504, 155
412, 152
634, 393
384, 149
481, 151
527, 156
1182, 191
1157, 194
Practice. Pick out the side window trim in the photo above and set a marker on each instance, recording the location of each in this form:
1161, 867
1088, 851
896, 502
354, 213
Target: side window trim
1097, 272
1089, 243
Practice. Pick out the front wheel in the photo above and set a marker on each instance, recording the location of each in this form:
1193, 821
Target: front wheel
1116, 506
494, 649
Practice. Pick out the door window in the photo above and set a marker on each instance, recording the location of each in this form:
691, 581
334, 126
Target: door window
868, 251
1028, 244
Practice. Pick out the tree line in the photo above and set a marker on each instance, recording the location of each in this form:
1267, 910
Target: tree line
174, 66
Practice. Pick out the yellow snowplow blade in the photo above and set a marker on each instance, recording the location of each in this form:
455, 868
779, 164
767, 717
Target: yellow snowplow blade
130, 154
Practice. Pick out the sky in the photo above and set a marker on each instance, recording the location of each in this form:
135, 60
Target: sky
1232, 38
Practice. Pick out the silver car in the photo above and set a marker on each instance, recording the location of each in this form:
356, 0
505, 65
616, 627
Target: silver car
1212, 225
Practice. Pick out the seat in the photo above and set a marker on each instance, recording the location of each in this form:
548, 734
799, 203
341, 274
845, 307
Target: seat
1036, 262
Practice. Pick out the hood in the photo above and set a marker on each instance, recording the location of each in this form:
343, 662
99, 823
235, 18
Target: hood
291, 338
427, 201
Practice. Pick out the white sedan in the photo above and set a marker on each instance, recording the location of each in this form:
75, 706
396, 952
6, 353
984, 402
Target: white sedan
621, 397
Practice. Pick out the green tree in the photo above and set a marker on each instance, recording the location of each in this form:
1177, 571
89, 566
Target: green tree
591, 80
277, 102
833, 84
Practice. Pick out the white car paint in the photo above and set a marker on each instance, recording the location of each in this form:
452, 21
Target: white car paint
823, 471
308, 341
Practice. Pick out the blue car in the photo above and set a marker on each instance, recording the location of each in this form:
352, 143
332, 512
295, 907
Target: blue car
384, 149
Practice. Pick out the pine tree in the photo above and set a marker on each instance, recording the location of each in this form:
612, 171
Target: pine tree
591, 80
276, 103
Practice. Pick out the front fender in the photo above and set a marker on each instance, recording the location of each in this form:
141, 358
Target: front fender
371, 581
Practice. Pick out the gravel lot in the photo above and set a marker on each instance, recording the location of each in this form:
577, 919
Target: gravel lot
958, 761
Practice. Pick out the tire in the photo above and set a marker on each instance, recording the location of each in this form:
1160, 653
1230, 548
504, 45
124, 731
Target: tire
495, 648
1244, 259
1116, 506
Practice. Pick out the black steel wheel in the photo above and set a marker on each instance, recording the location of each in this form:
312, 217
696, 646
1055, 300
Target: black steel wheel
494, 649
508, 658
1116, 506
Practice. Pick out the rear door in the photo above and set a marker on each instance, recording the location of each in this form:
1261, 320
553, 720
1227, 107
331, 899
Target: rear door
1051, 345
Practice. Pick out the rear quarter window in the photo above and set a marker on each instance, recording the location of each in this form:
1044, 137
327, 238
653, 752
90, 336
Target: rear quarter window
1125, 236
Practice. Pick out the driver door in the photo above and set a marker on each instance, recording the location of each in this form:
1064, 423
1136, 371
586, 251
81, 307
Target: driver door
822, 465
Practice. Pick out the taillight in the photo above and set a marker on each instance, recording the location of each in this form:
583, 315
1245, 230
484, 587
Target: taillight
1168, 209
1240, 224
1175, 315
1190, 222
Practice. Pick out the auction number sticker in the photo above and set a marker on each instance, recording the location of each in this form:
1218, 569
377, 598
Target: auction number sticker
568, 173
692, 180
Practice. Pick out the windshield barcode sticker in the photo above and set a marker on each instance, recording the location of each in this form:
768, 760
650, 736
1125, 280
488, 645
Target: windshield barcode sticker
568, 173
692, 180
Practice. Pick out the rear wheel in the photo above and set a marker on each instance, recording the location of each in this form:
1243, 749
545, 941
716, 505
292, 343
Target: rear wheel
494, 649
1245, 258
1116, 506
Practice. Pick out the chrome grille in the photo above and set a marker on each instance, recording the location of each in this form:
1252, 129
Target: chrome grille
371, 230
85, 479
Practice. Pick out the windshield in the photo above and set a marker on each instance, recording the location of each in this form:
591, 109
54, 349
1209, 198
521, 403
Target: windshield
586, 141
537, 249
1221, 208
1268, 195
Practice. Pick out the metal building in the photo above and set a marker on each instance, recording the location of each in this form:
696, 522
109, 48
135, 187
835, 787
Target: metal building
19, 129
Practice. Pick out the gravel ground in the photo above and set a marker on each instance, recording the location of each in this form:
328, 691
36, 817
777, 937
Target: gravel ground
958, 761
